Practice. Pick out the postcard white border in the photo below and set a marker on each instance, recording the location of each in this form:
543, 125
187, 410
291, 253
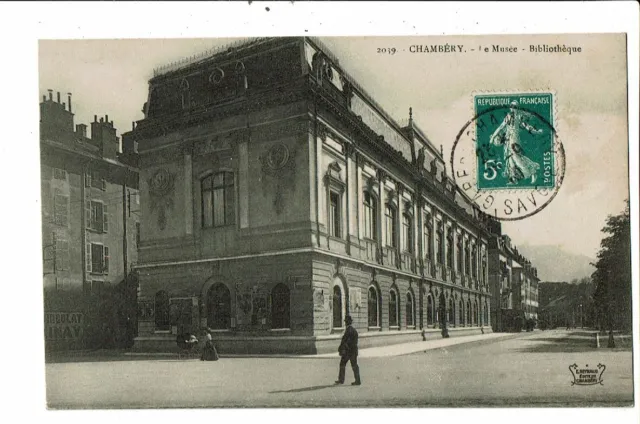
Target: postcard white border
24, 23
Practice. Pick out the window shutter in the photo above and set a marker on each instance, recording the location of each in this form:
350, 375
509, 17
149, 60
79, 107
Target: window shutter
105, 219
88, 257
106, 260
104, 184
87, 179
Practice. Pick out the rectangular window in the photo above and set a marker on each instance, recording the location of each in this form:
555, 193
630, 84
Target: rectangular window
439, 255
426, 241
98, 219
390, 226
137, 234
59, 174
407, 233
97, 181
334, 214
61, 210
370, 215
99, 259
218, 200
61, 254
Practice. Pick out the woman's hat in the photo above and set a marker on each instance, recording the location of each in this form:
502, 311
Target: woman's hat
348, 320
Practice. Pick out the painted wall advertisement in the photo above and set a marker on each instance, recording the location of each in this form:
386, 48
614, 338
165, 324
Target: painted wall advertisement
63, 326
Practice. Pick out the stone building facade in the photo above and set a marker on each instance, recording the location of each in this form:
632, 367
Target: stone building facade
88, 191
278, 197
513, 281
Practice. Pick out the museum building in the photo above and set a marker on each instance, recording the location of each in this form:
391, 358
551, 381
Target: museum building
89, 195
277, 197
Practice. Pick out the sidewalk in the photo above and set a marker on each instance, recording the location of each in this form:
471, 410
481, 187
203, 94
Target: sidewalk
413, 347
372, 352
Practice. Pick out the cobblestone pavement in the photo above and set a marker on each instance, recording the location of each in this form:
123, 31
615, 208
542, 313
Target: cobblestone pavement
531, 370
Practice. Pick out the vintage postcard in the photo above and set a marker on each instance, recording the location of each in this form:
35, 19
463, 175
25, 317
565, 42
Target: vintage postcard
301, 221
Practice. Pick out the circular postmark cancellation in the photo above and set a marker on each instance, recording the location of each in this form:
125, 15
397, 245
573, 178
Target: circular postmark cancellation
509, 159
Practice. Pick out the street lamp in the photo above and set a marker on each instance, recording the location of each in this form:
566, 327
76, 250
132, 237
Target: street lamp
581, 315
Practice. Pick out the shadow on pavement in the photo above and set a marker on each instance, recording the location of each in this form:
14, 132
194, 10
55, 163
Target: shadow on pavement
307, 389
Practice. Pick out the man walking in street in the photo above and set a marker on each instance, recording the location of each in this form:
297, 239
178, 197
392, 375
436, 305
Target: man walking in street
348, 351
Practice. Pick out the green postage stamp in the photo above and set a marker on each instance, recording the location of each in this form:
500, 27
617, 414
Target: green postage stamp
514, 140
508, 158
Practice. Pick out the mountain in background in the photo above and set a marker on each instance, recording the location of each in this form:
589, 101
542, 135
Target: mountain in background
555, 264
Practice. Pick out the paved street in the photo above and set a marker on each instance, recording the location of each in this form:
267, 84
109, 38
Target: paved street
530, 369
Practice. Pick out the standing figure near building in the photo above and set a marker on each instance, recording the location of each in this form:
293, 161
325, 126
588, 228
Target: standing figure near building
348, 351
209, 353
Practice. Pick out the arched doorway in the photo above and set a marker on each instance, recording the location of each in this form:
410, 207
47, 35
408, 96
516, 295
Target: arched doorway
219, 307
430, 310
337, 307
280, 307
373, 311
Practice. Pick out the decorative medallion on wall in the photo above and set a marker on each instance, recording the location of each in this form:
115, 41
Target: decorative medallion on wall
161, 185
278, 169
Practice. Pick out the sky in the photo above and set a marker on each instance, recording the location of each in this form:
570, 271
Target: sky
110, 77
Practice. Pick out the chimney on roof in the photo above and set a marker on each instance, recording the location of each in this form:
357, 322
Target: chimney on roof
69, 98
50, 94
58, 97
44, 98
95, 118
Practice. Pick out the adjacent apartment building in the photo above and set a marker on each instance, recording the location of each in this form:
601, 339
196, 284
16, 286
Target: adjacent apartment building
277, 196
514, 283
90, 216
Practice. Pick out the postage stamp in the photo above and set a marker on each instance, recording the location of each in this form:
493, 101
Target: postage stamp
508, 158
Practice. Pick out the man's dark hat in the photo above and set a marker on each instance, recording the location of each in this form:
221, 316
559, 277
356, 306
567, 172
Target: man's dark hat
348, 319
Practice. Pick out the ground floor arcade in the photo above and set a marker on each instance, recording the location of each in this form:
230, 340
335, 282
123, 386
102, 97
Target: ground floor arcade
296, 302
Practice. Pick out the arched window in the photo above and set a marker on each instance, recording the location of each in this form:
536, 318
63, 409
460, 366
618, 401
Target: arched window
468, 317
461, 312
430, 310
370, 217
162, 311
407, 232
410, 311
337, 307
486, 313
476, 317
184, 94
280, 307
390, 225
219, 307
373, 313
394, 310
452, 312
218, 200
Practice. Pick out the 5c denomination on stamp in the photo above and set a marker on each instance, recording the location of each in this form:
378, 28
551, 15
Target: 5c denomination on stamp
508, 158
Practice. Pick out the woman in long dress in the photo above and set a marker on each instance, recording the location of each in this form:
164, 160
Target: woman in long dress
517, 165
209, 353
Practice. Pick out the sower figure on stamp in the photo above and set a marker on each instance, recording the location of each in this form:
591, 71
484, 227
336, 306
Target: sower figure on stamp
348, 351
517, 165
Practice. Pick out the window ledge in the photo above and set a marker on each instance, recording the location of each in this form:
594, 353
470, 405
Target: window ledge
279, 330
162, 332
394, 327
374, 328
222, 330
